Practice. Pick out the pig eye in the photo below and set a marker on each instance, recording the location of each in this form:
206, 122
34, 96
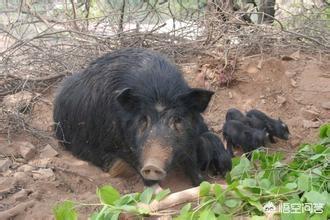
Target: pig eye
176, 124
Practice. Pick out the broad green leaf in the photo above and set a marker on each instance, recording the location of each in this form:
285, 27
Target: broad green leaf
231, 203
319, 148
316, 197
146, 195
218, 192
184, 212
184, 216
217, 208
65, 211
129, 208
124, 200
325, 131
303, 182
291, 185
293, 216
143, 211
316, 156
265, 184
321, 216
243, 166
204, 189
317, 171
255, 155
185, 208
261, 174
256, 204
108, 195
114, 216
224, 217
162, 194
249, 182
94, 216
207, 214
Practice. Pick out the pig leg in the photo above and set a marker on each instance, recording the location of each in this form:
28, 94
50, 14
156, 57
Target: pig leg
230, 148
192, 170
271, 139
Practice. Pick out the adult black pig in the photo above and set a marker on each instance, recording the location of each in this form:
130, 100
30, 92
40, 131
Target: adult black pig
133, 104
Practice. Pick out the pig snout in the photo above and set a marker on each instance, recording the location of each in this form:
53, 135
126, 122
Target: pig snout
153, 170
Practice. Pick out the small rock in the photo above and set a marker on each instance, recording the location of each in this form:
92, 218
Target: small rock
5, 164
296, 55
326, 105
27, 150
48, 151
18, 101
8, 150
308, 114
290, 74
287, 58
252, 69
295, 142
22, 178
25, 168
259, 64
20, 175
230, 95
263, 101
294, 83
21, 195
41, 163
281, 100
311, 124
43, 174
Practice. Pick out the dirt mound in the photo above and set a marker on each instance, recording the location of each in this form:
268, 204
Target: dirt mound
297, 91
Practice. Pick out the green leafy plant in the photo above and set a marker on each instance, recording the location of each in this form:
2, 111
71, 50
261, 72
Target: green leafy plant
266, 180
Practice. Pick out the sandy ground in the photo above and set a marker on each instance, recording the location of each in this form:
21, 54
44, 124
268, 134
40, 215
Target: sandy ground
31, 187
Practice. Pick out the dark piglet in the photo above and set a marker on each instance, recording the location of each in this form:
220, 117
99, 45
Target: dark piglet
237, 134
212, 154
275, 128
134, 104
235, 114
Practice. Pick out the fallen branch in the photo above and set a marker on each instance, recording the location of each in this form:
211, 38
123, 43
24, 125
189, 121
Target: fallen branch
43, 78
175, 199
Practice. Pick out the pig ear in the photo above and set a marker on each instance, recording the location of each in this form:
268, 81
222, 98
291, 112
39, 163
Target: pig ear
196, 99
127, 100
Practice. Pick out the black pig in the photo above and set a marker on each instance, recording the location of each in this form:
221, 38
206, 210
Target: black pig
275, 128
237, 134
133, 104
235, 114
212, 154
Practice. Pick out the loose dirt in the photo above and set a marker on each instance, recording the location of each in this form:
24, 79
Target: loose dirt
29, 189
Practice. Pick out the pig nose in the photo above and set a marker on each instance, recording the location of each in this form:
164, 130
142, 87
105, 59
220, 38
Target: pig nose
152, 172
